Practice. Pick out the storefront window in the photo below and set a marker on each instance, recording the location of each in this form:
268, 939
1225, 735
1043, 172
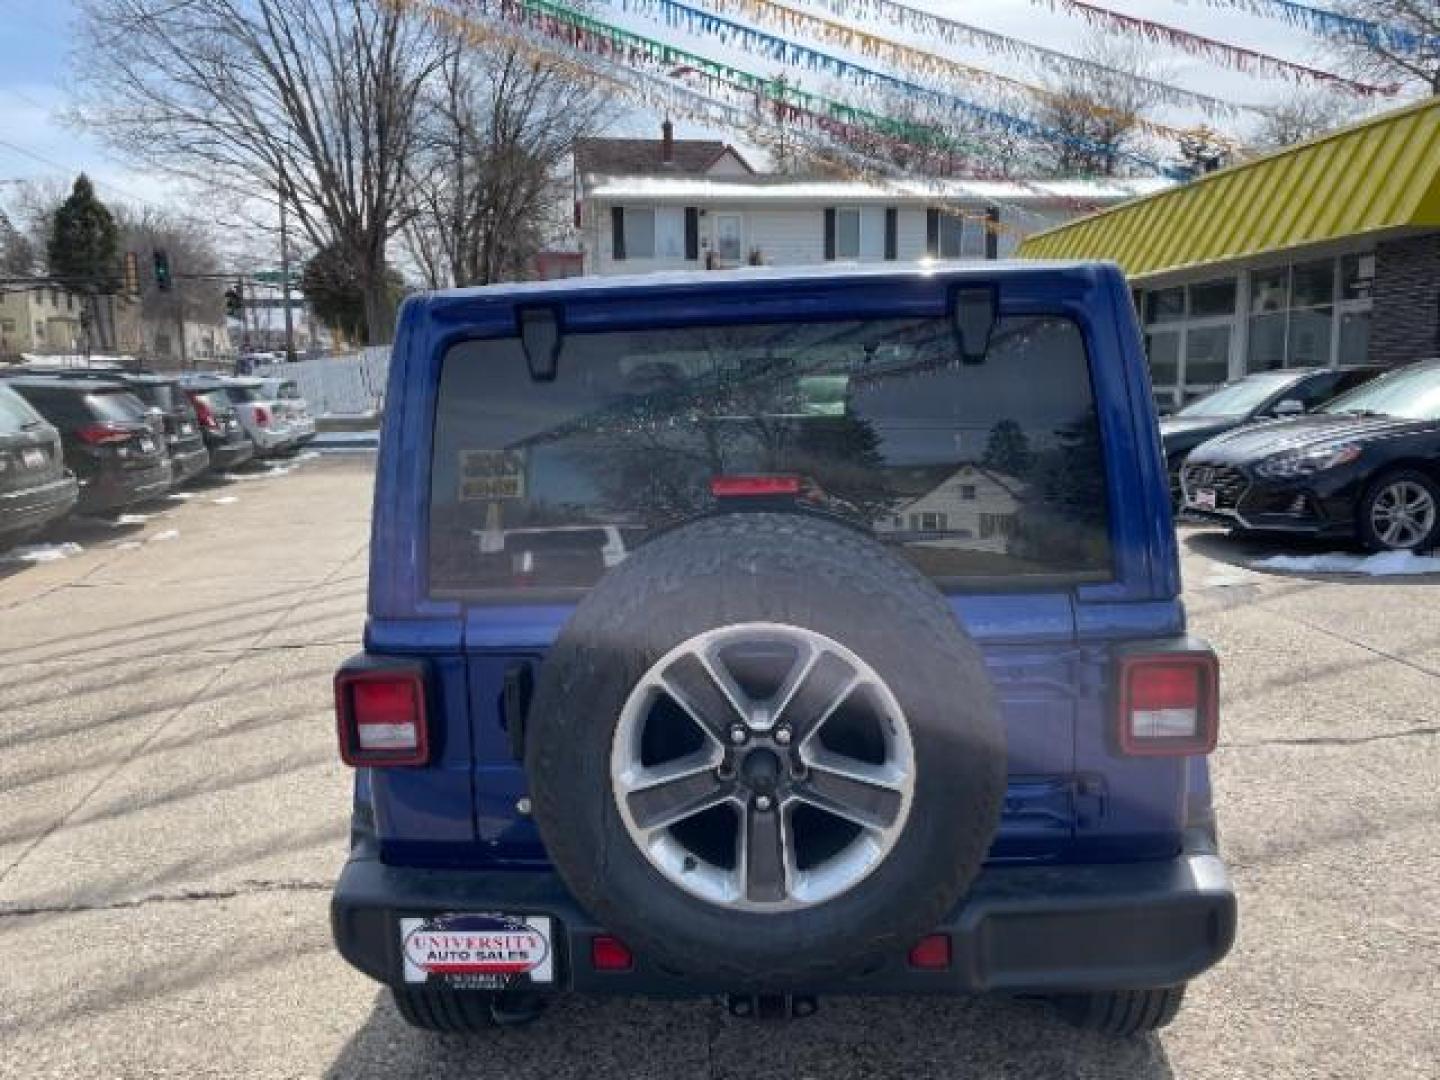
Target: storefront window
1165, 305
1207, 356
1267, 342
1270, 290
1313, 284
1164, 349
1212, 298
1308, 344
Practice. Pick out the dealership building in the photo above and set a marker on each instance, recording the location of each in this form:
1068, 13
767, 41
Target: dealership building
1324, 253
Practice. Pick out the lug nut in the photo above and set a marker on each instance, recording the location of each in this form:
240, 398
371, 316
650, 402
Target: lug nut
738, 734
782, 736
762, 802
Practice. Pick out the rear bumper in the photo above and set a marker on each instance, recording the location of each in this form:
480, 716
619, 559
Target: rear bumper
30, 510
188, 464
112, 490
1020, 929
228, 455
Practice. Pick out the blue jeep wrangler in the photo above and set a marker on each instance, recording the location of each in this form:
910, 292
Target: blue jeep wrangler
770, 635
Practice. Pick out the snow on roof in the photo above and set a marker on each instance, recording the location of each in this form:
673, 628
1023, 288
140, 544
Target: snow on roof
771, 189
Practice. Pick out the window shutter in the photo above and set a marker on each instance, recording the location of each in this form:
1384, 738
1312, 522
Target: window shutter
829, 234
692, 232
992, 233
932, 232
892, 232
617, 233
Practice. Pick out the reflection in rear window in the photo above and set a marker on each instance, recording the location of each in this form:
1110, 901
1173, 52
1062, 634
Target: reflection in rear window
969, 471
115, 405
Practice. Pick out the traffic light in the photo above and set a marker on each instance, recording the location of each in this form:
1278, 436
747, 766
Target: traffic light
161, 264
235, 300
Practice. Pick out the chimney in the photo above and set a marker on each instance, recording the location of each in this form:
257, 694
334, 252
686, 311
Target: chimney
667, 143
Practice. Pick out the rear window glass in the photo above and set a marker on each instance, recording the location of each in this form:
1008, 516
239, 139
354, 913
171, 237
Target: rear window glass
15, 413
217, 400
244, 393
161, 395
114, 405
979, 471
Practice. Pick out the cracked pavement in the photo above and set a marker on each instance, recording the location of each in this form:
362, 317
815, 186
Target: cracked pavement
172, 814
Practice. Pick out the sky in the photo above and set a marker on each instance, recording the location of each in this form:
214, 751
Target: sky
35, 143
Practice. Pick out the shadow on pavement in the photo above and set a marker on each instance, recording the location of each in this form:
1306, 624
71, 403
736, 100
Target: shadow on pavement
848, 1037
1244, 550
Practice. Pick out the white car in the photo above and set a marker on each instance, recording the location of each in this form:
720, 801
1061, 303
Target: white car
294, 408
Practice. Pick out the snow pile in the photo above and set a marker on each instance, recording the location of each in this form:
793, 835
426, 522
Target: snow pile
1385, 564
168, 534
133, 519
225, 500
38, 553
182, 495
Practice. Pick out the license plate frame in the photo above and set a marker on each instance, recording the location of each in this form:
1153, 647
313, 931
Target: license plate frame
1203, 499
478, 950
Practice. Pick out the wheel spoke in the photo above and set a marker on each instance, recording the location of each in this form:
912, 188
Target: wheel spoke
823, 684
667, 795
864, 794
763, 856
695, 688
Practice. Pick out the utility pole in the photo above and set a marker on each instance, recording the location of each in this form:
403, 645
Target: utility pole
180, 323
285, 276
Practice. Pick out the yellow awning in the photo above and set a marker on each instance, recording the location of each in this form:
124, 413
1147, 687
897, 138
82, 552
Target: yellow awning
1381, 174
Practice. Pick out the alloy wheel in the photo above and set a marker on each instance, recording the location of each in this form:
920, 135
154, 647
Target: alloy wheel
1402, 514
763, 766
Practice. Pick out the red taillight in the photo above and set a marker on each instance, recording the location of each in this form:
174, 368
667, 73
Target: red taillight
931, 953
610, 954
723, 487
103, 433
381, 716
262, 416
204, 414
1169, 704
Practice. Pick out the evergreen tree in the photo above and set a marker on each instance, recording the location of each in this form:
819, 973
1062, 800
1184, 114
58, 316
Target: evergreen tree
84, 247
1007, 450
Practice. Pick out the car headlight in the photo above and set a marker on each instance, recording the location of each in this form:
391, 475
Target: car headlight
1306, 462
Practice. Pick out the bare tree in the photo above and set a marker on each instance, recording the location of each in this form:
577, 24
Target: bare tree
1095, 113
1303, 115
191, 247
495, 129
17, 253
1410, 57
311, 101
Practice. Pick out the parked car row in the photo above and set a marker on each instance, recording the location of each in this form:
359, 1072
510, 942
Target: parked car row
93, 440
1349, 454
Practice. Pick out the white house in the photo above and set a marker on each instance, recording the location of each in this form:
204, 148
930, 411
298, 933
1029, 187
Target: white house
654, 205
972, 508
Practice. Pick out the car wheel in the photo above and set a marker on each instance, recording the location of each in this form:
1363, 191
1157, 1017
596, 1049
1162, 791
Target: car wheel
1122, 1013
764, 752
1400, 511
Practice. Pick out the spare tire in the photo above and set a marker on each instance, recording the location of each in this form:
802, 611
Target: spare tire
764, 753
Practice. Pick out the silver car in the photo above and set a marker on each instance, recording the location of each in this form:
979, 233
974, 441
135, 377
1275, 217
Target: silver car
296, 410
262, 417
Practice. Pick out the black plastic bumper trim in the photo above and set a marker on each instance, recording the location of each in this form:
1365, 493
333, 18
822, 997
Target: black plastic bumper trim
1019, 930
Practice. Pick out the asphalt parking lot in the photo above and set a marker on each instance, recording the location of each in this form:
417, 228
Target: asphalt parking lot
172, 813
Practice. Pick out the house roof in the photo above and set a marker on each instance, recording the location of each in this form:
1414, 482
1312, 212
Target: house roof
776, 189
1378, 175
644, 157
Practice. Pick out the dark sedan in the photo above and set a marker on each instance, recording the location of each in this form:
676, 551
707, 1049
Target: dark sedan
1366, 466
1266, 395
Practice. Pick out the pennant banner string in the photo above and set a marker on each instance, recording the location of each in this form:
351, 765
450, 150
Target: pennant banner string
1322, 23
650, 90
842, 121
1236, 57
737, 35
935, 27
922, 64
